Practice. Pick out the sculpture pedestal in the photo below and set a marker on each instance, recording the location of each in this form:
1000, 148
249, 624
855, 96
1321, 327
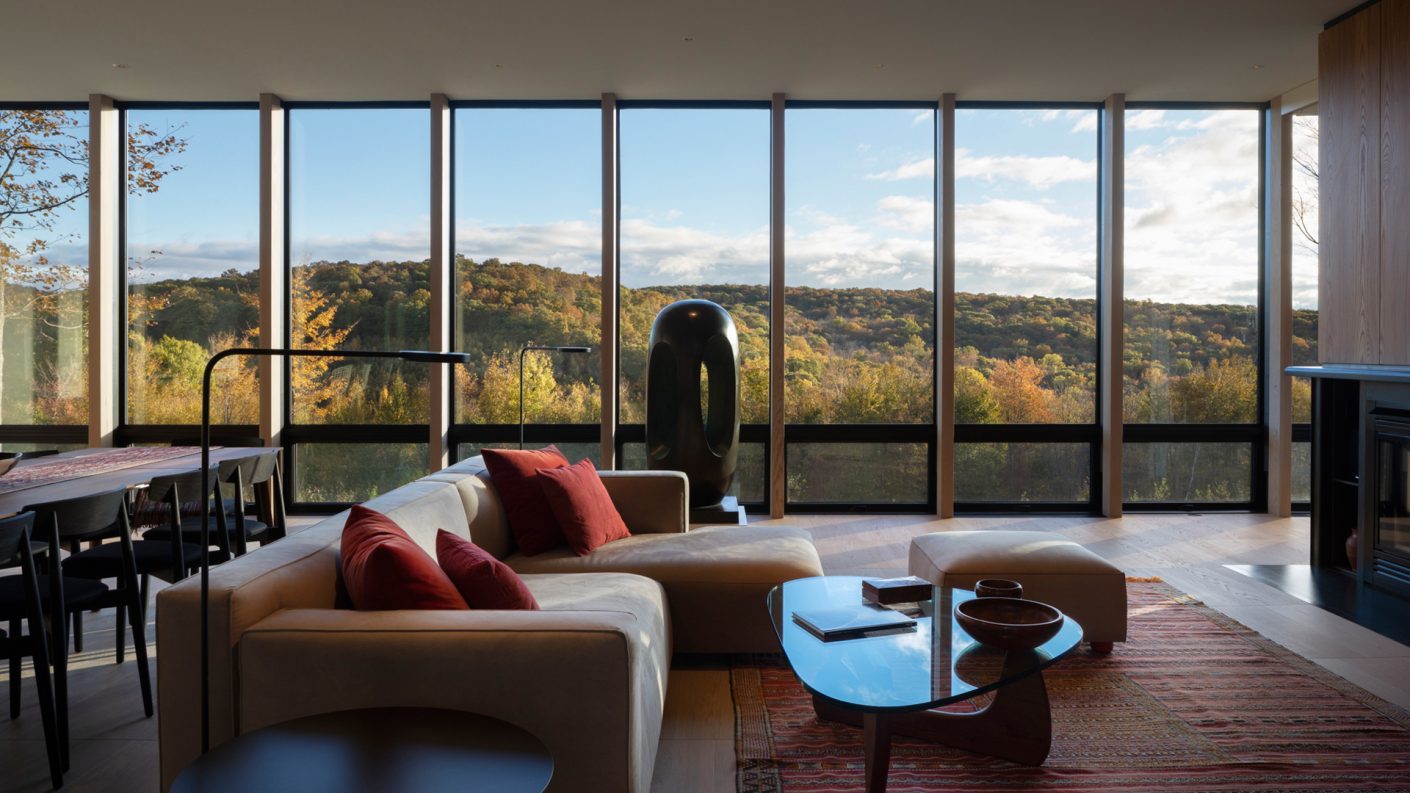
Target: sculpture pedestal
728, 512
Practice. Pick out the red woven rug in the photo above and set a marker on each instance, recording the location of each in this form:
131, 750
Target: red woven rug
1193, 702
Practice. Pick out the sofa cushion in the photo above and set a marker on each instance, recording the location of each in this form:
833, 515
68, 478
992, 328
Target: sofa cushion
383, 569
582, 506
514, 474
715, 577
484, 581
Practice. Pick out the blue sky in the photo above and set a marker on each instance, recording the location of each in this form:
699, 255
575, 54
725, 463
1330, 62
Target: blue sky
859, 189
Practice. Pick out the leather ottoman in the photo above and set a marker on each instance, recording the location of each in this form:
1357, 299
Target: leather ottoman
1051, 568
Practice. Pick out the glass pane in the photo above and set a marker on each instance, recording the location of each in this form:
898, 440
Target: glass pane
1048, 472
44, 267
193, 267
359, 187
340, 473
1304, 258
749, 484
858, 473
1183, 473
1192, 268
1301, 473
695, 225
1025, 266
528, 238
860, 235
573, 451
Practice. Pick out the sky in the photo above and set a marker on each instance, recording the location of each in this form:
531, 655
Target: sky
859, 188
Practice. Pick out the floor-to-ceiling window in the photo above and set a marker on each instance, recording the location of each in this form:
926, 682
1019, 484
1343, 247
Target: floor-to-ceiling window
528, 272
1192, 316
1304, 295
860, 301
191, 275
1025, 306
695, 225
359, 279
43, 276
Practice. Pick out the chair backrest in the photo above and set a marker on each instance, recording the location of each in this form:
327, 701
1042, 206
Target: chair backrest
85, 517
266, 464
241, 466
185, 486
10, 455
14, 538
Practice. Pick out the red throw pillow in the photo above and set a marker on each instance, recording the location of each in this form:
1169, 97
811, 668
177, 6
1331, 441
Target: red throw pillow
484, 581
384, 569
585, 512
514, 474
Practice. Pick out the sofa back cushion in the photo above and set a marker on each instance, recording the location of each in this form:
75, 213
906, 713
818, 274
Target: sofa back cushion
515, 476
584, 510
384, 570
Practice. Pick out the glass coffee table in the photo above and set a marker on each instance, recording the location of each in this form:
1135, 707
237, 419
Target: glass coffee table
888, 684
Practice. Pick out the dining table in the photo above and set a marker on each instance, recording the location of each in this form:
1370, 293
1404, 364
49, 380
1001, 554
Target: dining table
85, 472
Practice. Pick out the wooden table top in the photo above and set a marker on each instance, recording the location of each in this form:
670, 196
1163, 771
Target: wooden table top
17, 500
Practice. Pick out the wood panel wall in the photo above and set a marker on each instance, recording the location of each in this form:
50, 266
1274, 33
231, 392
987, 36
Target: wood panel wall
1364, 170
1395, 182
1348, 118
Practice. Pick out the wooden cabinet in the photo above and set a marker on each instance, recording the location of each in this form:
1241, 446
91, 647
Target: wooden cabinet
1364, 170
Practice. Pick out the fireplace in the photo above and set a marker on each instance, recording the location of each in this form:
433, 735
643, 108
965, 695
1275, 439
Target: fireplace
1385, 561
1361, 475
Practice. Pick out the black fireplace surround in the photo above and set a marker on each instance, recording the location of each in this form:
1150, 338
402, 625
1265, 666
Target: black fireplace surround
1361, 473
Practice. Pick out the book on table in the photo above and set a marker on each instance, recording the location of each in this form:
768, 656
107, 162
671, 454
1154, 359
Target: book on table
852, 622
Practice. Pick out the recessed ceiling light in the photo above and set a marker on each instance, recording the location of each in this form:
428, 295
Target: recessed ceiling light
1257, 66
689, 38
119, 66
499, 66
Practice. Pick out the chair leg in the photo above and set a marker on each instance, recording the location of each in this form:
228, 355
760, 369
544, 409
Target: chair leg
139, 649
78, 631
121, 638
15, 670
55, 743
146, 593
61, 697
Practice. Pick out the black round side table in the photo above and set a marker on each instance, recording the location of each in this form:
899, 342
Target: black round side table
376, 750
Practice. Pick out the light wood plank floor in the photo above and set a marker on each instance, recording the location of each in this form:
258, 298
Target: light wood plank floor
114, 747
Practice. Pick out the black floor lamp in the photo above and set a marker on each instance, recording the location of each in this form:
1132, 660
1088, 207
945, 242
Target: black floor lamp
423, 356
535, 348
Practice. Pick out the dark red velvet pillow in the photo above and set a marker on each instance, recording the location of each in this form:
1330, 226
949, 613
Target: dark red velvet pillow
514, 474
384, 569
585, 512
484, 581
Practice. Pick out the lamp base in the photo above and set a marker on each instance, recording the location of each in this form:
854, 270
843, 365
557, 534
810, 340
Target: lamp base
727, 511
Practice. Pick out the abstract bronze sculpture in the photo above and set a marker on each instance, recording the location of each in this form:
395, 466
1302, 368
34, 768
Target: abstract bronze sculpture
688, 429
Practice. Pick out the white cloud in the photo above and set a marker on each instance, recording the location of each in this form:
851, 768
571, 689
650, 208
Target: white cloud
1145, 119
1037, 172
915, 169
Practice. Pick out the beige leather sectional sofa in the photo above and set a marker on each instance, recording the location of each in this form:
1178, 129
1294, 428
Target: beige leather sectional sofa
587, 674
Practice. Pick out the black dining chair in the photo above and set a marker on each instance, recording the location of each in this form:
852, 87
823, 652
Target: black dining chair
93, 518
176, 494
20, 601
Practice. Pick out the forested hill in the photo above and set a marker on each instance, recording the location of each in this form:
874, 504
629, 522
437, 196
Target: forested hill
502, 305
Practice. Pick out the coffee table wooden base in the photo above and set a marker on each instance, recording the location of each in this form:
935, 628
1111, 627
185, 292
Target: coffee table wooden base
1017, 726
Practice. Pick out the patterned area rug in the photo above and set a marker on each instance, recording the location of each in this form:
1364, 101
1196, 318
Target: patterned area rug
1193, 702
49, 470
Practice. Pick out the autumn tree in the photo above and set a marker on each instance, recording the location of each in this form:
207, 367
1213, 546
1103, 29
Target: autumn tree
44, 176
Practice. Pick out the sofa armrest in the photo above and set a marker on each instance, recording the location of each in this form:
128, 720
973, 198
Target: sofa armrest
651, 502
585, 683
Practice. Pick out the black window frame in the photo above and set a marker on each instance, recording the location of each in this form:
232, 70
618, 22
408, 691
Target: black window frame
1255, 434
863, 434
534, 433
1089, 433
128, 433
58, 434
636, 432
292, 434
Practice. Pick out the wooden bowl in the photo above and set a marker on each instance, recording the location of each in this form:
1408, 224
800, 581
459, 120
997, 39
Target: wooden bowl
1008, 623
997, 588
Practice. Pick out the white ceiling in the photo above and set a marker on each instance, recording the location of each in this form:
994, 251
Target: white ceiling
660, 49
